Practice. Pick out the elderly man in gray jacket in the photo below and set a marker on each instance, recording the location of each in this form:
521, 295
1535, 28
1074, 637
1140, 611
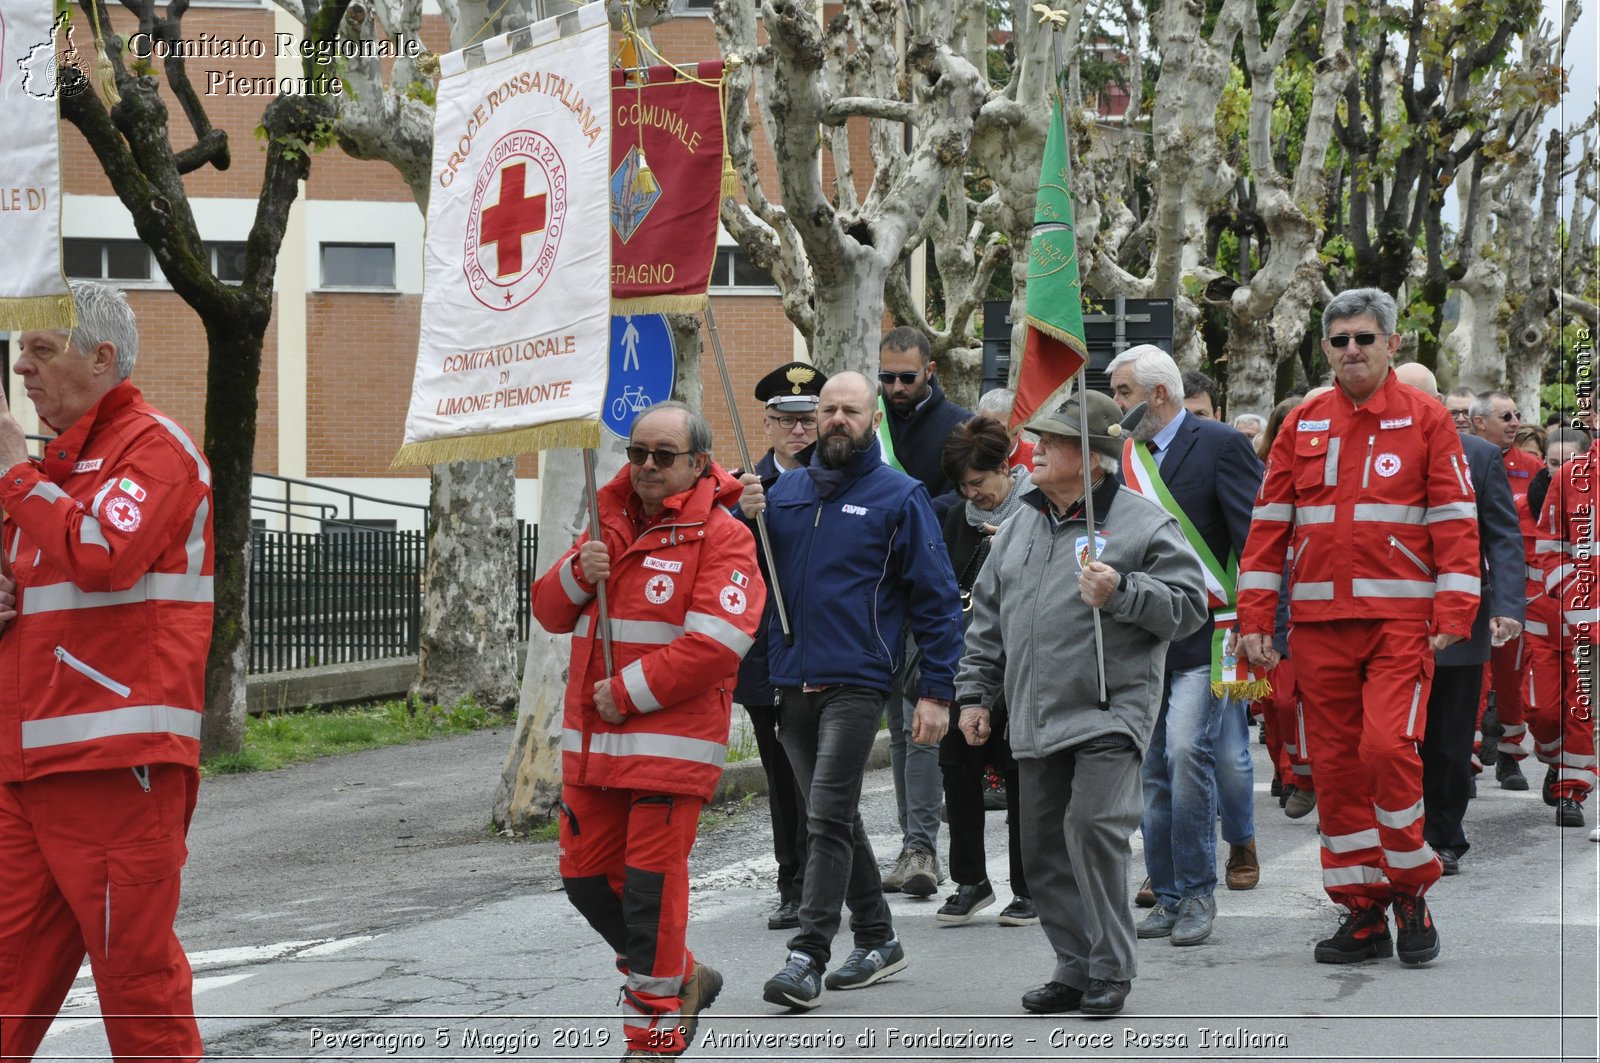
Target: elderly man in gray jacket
1031, 638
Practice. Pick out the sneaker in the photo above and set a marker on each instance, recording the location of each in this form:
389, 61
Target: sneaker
1509, 773
922, 874
1299, 803
1244, 870
1196, 917
1594, 836
697, 994
896, 878
964, 902
786, 917
1158, 924
1548, 790
1569, 812
1363, 934
1417, 940
1020, 912
798, 985
865, 966
1146, 897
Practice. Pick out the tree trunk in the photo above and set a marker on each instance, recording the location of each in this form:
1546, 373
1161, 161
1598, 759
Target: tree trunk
850, 313
468, 640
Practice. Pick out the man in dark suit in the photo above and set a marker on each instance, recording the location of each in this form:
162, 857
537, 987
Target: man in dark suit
1212, 475
1458, 669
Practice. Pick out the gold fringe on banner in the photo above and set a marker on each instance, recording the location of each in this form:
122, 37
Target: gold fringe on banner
660, 304
558, 435
35, 313
1241, 690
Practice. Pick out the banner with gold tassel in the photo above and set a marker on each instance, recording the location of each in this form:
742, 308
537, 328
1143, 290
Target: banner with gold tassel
515, 337
33, 289
669, 172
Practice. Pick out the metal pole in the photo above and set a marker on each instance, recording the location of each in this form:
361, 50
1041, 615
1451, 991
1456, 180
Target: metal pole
594, 533
744, 456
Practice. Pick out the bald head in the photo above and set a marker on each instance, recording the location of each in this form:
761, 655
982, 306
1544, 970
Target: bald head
1419, 376
847, 384
1316, 393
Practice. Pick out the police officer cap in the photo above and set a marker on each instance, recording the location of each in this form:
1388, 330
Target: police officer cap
791, 388
1106, 433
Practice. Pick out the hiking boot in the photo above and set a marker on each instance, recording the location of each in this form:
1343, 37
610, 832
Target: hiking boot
1509, 773
964, 902
1020, 912
1569, 812
1363, 934
1548, 790
697, 994
1299, 803
865, 966
896, 878
1158, 924
1416, 939
798, 985
1196, 917
922, 874
1146, 897
1244, 871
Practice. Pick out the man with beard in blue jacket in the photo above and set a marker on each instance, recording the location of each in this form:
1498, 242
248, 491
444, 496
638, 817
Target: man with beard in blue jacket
860, 558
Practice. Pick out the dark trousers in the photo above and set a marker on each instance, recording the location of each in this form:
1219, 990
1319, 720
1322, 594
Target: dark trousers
965, 784
1447, 753
784, 801
828, 735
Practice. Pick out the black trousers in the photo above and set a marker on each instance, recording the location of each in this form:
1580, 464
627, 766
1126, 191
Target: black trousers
1447, 754
964, 787
787, 806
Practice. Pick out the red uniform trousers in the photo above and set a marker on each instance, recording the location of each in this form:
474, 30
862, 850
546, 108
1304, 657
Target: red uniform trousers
625, 863
1364, 694
1508, 672
90, 862
1562, 725
1284, 731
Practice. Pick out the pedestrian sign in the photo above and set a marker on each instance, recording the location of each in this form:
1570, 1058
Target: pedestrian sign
643, 364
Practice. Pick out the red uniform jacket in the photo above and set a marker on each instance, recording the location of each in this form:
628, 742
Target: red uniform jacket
1521, 468
109, 540
1375, 502
685, 599
1566, 547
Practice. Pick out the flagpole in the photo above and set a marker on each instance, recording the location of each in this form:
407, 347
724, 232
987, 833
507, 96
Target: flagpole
1088, 453
594, 533
749, 466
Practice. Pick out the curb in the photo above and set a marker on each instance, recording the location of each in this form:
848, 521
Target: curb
746, 778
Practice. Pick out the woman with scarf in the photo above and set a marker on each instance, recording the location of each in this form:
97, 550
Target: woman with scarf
976, 460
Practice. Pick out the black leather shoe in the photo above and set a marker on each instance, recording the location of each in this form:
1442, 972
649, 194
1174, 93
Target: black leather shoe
1509, 774
1104, 997
787, 917
1451, 862
1569, 813
1548, 790
1050, 998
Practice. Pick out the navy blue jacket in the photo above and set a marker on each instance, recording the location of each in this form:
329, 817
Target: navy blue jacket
1214, 476
919, 439
856, 568
1500, 541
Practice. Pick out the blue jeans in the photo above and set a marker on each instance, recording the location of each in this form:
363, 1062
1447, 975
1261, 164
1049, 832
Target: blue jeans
828, 735
1180, 797
1236, 774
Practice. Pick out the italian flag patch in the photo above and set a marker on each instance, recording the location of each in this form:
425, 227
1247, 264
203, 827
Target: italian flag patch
131, 489
739, 578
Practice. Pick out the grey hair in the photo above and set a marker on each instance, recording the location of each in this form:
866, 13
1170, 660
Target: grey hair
1483, 403
699, 428
1358, 301
1107, 463
104, 316
1151, 366
1239, 421
1576, 437
1462, 392
996, 402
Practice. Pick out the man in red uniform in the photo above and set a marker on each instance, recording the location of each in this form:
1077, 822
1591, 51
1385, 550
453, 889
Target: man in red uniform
1563, 716
107, 544
1368, 486
642, 747
1495, 419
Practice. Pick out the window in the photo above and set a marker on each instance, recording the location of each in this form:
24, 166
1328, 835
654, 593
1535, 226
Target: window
735, 269
681, 6
110, 260
358, 266
227, 262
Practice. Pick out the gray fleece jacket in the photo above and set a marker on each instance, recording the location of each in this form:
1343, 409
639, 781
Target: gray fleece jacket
1032, 636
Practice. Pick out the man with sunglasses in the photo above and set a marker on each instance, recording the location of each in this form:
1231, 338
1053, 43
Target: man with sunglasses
643, 742
1370, 490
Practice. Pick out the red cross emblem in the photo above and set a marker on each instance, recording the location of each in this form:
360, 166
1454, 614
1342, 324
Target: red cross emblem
516, 215
658, 590
732, 600
511, 242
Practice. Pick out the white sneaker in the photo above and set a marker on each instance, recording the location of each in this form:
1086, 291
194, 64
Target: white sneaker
1594, 835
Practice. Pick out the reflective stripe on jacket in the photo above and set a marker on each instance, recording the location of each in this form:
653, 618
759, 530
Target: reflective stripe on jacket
1565, 547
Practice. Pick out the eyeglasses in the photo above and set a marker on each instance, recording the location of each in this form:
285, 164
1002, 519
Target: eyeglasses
906, 379
1364, 339
1460, 415
662, 458
788, 423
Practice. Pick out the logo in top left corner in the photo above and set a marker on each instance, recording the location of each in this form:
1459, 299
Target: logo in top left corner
47, 73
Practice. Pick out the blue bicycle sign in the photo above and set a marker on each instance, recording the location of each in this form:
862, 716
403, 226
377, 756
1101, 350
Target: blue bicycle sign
642, 369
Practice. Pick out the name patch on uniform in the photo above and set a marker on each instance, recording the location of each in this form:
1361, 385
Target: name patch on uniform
858, 511
661, 564
1313, 426
1396, 422
89, 465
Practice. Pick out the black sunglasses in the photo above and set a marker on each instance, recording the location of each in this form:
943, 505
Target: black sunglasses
905, 378
663, 458
1365, 339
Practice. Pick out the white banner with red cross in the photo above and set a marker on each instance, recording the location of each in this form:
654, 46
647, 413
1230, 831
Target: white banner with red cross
516, 303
